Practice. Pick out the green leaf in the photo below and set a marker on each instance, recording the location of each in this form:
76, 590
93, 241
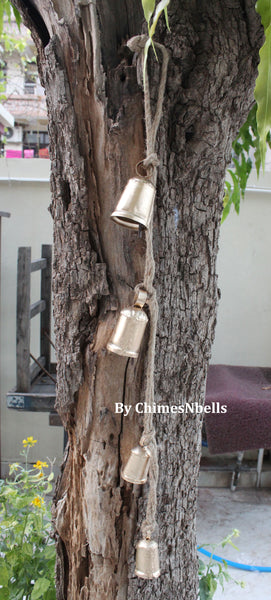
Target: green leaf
51, 476
50, 594
4, 575
4, 593
9, 522
40, 587
166, 18
17, 16
7, 8
262, 93
235, 194
202, 566
211, 578
226, 576
12, 557
221, 580
48, 489
203, 589
263, 7
49, 551
19, 595
148, 8
158, 11
27, 549
146, 51
1, 17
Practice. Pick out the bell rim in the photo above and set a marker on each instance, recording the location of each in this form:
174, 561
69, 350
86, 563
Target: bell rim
118, 216
118, 350
134, 481
145, 576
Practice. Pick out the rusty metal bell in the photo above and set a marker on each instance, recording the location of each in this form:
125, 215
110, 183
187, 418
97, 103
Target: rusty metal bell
128, 333
147, 559
135, 205
137, 466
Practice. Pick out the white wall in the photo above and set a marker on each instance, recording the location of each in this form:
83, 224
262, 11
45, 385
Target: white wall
243, 333
30, 224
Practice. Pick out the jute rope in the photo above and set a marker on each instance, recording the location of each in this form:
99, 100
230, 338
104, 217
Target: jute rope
150, 163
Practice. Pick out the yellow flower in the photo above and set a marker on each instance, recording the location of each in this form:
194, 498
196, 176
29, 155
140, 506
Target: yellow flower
13, 467
29, 442
40, 464
37, 502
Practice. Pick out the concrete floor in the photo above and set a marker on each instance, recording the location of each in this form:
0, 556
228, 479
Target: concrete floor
219, 512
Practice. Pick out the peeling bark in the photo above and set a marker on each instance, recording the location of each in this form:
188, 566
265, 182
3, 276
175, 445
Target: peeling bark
96, 137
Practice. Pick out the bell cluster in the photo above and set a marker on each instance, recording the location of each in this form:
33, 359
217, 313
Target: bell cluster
134, 211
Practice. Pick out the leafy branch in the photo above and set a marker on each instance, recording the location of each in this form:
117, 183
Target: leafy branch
254, 135
152, 16
9, 10
262, 91
246, 144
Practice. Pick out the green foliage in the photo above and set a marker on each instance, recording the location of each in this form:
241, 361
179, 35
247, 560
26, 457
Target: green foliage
152, 16
263, 7
8, 10
247, 143
262, 91
27, 551
213, 573
10, 42
148, 8
254, 136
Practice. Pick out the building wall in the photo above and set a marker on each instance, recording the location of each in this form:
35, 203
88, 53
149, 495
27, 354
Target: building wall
30, 224
243, 334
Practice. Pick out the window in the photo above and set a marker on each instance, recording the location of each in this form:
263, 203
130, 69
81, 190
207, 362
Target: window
30, 78
38, 141
3, 76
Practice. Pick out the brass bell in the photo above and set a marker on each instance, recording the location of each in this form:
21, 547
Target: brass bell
137, 466
147, 559
135, 205
129, 330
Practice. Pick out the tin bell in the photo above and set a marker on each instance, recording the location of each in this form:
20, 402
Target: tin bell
137, 466
135, 205
147, 559
129, 330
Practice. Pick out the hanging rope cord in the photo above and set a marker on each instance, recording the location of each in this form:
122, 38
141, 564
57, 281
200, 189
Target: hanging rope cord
150, 163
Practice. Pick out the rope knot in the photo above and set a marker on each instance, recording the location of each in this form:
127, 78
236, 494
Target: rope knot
148, 438
137, 43
151, 160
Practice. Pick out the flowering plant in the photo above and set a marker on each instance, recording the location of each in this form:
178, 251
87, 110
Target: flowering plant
213, 572
27, 552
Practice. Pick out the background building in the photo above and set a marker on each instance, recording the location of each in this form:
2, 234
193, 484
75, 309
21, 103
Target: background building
23, 96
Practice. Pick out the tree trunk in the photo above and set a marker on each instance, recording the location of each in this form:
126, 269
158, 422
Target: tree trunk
96, 126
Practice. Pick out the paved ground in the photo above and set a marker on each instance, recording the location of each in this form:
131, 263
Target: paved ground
219, 512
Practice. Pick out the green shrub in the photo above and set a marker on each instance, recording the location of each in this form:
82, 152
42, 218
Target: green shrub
213, 572
27, 551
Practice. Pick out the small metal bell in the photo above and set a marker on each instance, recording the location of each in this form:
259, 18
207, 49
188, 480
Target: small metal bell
147, 559
135, 204
137, 466
129, 330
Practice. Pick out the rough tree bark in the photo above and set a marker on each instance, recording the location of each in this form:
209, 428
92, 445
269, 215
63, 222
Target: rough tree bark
96, 137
